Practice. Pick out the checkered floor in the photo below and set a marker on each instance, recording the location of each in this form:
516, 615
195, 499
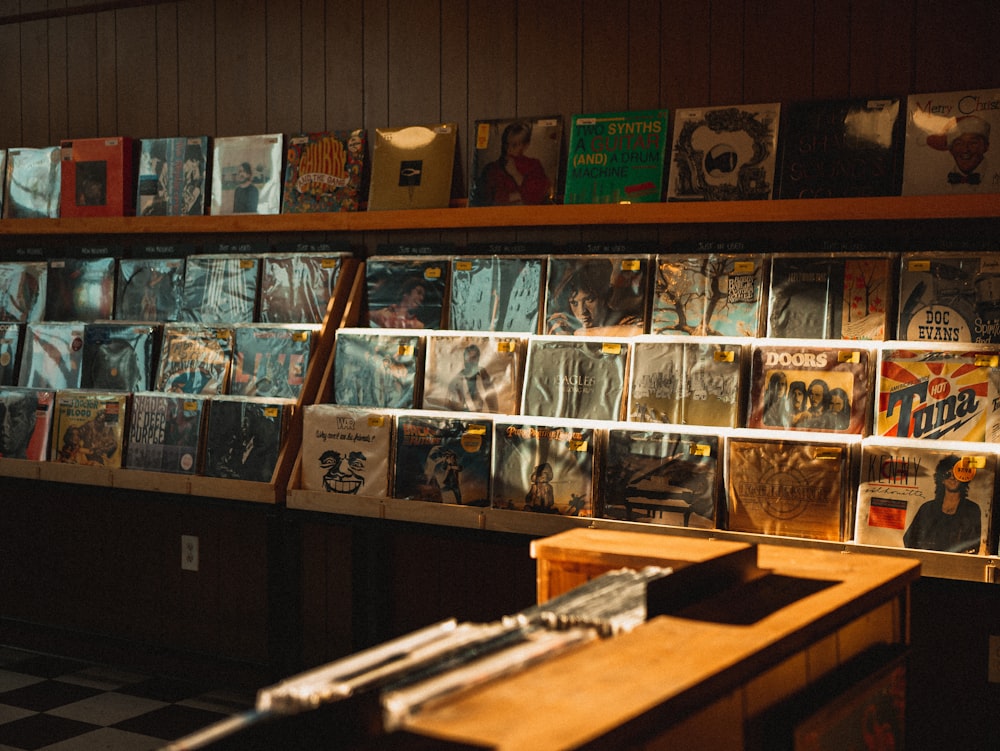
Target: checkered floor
55, 704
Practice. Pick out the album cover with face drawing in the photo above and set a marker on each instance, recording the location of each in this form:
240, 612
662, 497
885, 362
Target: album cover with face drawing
347, 450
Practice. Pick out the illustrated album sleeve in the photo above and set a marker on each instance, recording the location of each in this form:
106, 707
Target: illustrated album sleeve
172, 176
347, 450
88, 427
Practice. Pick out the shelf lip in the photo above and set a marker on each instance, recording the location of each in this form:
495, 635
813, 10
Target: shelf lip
887, 208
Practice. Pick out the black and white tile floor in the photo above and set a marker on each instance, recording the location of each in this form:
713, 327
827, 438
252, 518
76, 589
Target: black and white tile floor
52, 703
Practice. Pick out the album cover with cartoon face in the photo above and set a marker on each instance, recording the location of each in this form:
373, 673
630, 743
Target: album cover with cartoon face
347, 450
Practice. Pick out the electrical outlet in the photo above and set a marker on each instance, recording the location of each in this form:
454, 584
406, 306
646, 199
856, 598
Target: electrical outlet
189, 553
994, 669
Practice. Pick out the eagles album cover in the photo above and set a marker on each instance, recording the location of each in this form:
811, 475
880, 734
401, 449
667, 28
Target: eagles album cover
347, 450
378, 368
474, 372
88, 427
164, 432
244, 436
27, 422
195, 359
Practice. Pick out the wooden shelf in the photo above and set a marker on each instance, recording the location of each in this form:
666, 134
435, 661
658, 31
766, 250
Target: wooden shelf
984, 206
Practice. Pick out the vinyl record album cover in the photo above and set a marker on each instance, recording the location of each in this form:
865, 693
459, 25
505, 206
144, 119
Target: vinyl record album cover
27, 422
575, 378
948, 143
32, 183
724, 153
149, 289
662, 476
52, 355
11, 336
119, 356
220, 288
841, 148
927, 495
244, 436
412, 167
474, 372
709, 294
938, 392
831, 296
443, 458
97, 177
324, 171
496, 293
616, 157
949, 297
271, 359
687, 380
515, 161
406, 292
790, 485
377, 369
347, 450
88, 427
296, 287
246, 174
195, 359
80, 289
164, 433
545, 467
172, 176
808, 385
595, 296
23, 285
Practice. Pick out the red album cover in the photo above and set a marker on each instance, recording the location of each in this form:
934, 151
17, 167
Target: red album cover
97, 177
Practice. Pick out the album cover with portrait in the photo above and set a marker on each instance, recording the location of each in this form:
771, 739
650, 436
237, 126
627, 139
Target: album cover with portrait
709, 294
195, 359
27, 420
949, 297
97, 177
406, 292
473, 372
88, 427
667, 475
378, 368
172, 176
576, 378
831, 296
271, 359
324, 171
11, 336
23, 286
220, 288
545, 466
942, 391
412, 167
926, 495
51, 355
32, 183
515, 161
688, 380
948, 143
443, 458
496, 293
165, 432
246, 174
809, 385
791, 485
724, 153
347, 450
80, 289
244, 436
296, 286
119, 356
590, 295
150, 289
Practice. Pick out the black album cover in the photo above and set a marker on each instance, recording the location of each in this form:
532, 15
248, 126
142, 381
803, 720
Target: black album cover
297, 287
164, 433
220, 288
687, 380
377, 369
149, 289
80, 289
52, 355
473, 372
88, 427
119, 356
406, 292
597, 296
195, 359
271, 359
496, 293
23, 285
347, 450
662, 476
26, 422
32, 183
443, 458
576, 378
11, 335
244, 436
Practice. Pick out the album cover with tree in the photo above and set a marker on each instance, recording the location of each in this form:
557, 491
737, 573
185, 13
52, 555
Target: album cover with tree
347, 449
